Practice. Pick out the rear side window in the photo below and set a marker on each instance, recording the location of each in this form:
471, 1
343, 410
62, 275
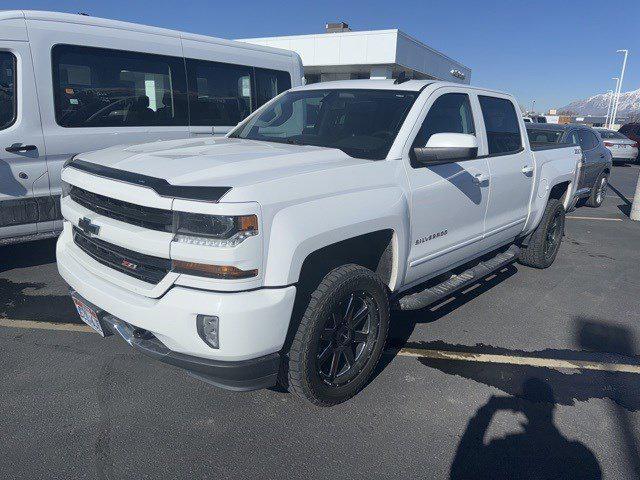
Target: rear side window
450, 113
544, 136
97, 87
8, 100
501, 122
587, 139
270, 83
220, 94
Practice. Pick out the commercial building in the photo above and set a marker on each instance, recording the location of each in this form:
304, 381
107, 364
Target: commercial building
342, 54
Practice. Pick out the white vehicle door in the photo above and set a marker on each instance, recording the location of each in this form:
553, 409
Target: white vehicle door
25, 199
448, 202
512, 169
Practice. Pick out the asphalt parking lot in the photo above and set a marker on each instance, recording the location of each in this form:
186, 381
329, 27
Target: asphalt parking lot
527, 374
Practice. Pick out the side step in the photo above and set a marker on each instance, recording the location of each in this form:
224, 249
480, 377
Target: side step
426, 297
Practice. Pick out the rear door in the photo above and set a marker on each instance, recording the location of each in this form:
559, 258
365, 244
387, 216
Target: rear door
24, 183
594, 157
511, 167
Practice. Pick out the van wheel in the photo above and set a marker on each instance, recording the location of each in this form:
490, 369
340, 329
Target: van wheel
546, 239
599, 190
340, 338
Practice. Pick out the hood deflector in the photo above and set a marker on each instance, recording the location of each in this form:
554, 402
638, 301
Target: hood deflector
159, 185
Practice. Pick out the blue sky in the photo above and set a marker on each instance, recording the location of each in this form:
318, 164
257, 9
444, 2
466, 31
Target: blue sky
550, 51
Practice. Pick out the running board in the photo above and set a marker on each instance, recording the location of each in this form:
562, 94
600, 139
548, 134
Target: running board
426, 297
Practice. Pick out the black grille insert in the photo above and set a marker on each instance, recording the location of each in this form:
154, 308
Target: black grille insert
143, 267
147, 217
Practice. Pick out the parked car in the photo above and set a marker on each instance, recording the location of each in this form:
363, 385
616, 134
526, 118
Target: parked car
274, 254
101, 83
631, 131
596, 157
621, 147
535, 119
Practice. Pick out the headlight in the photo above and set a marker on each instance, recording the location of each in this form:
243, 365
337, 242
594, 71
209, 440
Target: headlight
213, 230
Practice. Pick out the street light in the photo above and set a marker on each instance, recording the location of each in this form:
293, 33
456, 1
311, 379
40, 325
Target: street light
606, 120
613, 99
615, 106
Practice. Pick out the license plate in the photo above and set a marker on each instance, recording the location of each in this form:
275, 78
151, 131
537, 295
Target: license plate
88, 315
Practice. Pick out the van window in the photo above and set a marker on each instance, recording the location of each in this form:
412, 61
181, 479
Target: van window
8, 98
450, 113
97, 87
270, 83
220, 94
501, 122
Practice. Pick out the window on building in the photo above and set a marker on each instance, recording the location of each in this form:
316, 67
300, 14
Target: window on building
220, 94
8, 100
96, 87
450, 113
501, 122
270, 83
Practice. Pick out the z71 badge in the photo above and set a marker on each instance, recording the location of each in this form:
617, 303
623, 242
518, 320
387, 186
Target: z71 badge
431, 237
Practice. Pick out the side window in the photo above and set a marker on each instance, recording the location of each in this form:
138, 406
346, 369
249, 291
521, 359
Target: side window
587, 139
220, 94
97, 87
8, 100
573, 138
501, 122
450, 113
270, 83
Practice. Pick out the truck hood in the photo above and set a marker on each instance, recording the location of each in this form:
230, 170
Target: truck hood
214, 162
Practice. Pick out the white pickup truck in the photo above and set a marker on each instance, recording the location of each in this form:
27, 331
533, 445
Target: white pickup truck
273, 255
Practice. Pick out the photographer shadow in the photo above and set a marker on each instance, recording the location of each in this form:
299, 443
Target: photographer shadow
539, 451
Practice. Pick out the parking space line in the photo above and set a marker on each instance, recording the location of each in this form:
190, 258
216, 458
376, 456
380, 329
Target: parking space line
516, 360
29, 324
595, 218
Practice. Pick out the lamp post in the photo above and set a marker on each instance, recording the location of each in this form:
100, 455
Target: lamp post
615, 105
606, 120
613, 100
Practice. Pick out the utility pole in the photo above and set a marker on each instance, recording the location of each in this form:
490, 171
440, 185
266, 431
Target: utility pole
606, 120
624, 66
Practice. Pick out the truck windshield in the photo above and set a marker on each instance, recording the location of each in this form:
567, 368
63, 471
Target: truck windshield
7, 89
361, 123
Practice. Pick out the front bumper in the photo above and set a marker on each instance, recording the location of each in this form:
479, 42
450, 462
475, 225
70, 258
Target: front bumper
253, 324
241, 375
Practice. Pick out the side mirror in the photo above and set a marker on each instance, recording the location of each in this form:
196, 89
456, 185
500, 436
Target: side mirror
446, 148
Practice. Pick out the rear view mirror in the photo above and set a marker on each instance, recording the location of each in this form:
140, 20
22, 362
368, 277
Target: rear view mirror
446, 148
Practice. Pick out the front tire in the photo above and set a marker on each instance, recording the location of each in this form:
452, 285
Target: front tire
598, 191
545, 241
340, 338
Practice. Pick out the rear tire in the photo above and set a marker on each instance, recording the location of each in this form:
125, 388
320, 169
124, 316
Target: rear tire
598, 191
340, 338
545, 241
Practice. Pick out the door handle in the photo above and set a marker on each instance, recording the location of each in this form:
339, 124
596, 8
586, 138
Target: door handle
480, 178
18, 147
527, 169
602, 155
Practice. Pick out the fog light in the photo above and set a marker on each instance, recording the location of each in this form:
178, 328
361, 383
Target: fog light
208, 329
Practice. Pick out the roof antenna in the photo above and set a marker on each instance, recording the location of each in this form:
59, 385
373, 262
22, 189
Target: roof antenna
402, 77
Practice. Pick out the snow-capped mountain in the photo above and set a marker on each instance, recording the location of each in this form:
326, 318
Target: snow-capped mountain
597, 105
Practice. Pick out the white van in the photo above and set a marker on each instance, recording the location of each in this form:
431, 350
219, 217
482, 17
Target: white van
73, 83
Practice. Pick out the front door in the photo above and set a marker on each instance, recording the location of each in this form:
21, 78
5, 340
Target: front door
25, 199
448, 202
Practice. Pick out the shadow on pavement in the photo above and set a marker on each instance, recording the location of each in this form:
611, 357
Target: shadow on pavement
539, 451
28, 254
626, 208
16, 304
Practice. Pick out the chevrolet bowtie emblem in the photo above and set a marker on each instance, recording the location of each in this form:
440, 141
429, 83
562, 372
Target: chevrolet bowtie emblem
87, 227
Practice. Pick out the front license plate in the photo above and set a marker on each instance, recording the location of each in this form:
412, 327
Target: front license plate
88, 315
